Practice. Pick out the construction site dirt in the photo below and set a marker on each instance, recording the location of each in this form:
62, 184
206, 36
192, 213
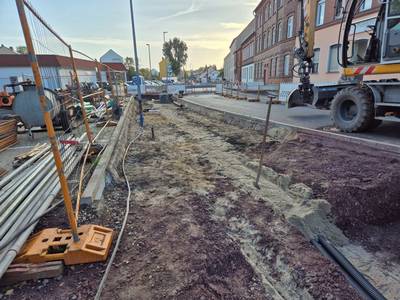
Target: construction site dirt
199, 229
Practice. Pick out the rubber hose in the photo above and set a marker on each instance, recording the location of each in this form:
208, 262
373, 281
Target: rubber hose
351, 270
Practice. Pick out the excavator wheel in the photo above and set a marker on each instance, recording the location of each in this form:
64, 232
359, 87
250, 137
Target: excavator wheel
352, 110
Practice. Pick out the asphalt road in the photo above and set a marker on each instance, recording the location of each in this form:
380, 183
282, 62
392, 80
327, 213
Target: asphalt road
388, 132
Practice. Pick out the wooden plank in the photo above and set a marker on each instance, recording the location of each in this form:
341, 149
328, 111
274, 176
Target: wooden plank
23, 272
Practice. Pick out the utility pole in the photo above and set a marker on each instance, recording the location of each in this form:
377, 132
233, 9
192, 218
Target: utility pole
148, 47
139, 96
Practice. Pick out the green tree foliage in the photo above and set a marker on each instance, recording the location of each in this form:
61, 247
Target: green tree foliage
176, 52
21, 50
221, 73
145, 72
131, 73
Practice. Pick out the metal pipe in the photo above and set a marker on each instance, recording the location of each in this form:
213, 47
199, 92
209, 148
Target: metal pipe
264, 142
11, 193
92, 95
23, 207
7, 258
141, 116
22, 168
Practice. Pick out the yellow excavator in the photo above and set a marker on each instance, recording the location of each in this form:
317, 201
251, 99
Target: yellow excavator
356, 104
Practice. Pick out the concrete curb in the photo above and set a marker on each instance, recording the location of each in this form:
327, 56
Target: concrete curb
93, 192
258, 124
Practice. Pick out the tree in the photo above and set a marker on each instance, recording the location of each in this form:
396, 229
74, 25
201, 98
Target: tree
176, 53
21, 50
221, 73
129, 62
145, 72
131, 72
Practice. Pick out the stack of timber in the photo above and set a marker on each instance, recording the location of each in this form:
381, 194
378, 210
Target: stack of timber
8, 133
25, 195
23, 157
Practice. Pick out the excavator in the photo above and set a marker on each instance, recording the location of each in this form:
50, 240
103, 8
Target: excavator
355, 104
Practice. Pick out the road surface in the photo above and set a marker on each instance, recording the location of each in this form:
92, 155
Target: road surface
388, 132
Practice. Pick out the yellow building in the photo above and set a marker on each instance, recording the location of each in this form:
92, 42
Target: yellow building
163, 64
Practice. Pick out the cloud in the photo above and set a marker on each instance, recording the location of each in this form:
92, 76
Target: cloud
233, 25
194, 7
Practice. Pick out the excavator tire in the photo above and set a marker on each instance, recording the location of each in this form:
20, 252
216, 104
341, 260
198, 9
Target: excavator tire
352, 110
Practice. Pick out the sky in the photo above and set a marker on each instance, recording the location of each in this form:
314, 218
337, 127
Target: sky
94, 26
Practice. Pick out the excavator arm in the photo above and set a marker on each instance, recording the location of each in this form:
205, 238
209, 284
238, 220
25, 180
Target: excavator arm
305, 53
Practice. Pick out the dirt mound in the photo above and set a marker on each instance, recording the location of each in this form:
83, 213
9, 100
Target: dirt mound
359, 182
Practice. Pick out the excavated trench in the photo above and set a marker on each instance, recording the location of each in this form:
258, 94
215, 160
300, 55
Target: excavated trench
358, 183
199, 229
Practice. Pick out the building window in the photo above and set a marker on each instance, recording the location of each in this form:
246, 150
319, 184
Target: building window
280, 3
286, 65
263, 40
338, 9
279, 31
269, 38
275, 5
316, 61
270, 67
269, 10
276, 67
365, 5
320, 13
333, 65
273, 39
289, 27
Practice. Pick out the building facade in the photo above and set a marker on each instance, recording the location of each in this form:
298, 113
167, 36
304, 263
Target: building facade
116, 62
229, 63
56, 70
275, 38
244, 54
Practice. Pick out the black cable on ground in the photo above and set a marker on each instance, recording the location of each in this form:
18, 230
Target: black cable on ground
110, 262
354, 275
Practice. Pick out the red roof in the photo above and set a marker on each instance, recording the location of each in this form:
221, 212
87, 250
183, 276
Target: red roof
116, 66
21, 60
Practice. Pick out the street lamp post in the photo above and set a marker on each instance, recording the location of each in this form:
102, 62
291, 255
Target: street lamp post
148, 47
164, 33
166, 64
141, 116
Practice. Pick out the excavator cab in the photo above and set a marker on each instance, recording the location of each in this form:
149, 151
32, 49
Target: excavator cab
367, 47
383, 44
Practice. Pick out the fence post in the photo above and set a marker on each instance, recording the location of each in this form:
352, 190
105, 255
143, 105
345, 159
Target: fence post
47, 118
79, 92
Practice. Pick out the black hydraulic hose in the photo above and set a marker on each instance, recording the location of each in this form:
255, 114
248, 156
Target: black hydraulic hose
355, 275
